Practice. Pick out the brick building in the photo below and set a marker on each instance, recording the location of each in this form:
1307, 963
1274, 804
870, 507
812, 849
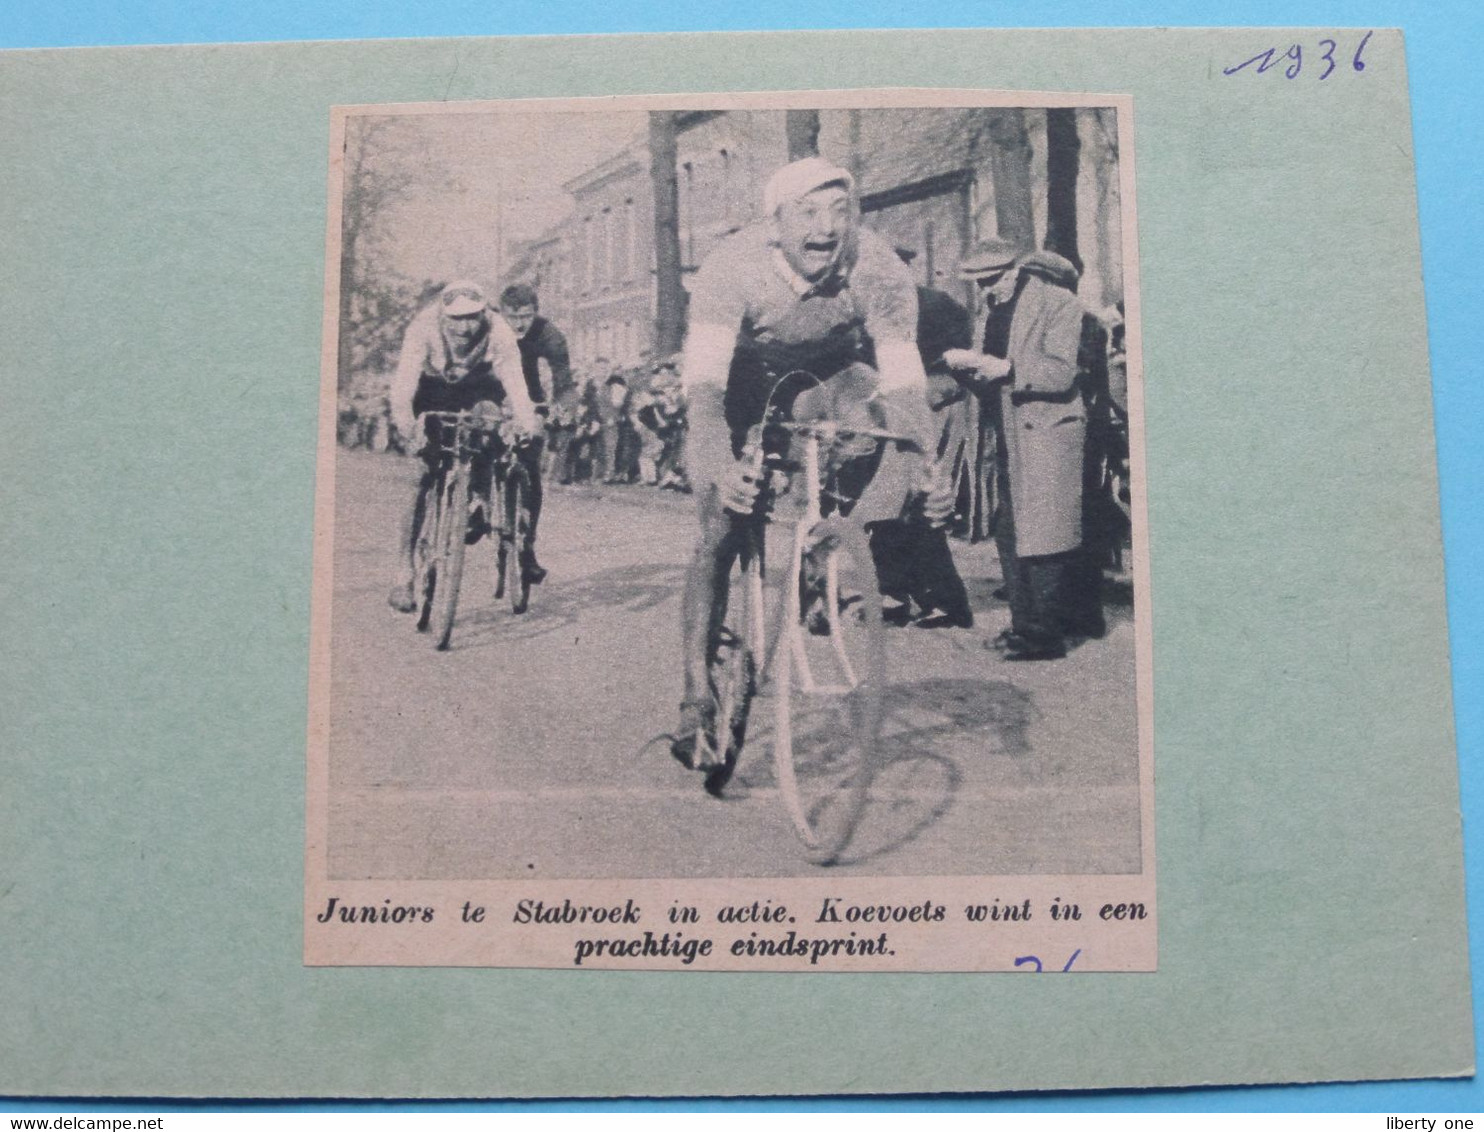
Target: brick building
926, 179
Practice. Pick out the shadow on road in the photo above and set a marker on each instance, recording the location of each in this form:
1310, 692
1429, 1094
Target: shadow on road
560, 605
915, 782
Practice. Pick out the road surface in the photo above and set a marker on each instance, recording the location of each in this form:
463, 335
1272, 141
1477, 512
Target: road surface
530, 748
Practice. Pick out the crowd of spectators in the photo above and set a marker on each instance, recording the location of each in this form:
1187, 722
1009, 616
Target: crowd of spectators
617, 425
620, 425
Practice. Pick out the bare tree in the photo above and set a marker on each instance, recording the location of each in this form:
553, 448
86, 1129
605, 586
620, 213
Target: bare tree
1061, 183
1105, 252
669, 331
1010, 172
802, 130
374, 299
857, 164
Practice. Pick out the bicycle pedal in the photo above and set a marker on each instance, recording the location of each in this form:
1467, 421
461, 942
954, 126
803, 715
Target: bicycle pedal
683, 754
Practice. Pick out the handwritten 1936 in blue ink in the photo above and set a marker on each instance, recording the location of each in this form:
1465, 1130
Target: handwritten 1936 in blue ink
1027, 960
1326, 48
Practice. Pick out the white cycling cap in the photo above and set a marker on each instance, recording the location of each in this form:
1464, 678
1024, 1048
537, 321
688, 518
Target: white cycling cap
463, 298
799, 178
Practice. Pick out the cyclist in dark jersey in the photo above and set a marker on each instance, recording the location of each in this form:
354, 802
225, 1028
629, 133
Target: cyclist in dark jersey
805, 288
455, 355
539, 341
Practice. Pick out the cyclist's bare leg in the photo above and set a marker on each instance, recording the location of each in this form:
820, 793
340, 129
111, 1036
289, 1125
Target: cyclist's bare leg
531, 457
402, 598
702, 608
481, 484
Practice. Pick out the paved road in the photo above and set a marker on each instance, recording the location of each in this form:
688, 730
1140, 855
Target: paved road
525, 750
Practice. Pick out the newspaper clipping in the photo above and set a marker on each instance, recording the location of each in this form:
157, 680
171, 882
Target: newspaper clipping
730, 544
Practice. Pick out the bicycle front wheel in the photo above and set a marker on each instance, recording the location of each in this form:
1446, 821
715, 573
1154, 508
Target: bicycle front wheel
829, 679
425, 553
450, 555
518, 526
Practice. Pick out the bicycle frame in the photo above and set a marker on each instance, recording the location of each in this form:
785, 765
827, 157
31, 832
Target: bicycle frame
442, 538
786, 660
806, 531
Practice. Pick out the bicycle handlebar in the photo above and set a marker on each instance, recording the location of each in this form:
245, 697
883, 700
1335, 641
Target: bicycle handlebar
482, 422
832, 430
461, 429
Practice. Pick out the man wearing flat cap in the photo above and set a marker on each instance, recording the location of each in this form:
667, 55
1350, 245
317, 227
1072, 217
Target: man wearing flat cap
1030, 360
455, 355
988, 265
804, 288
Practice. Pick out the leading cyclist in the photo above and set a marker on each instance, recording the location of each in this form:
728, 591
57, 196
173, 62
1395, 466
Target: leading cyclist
456, 353
804, 288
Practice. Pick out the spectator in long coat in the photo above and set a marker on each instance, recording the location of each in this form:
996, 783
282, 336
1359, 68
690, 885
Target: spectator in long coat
1030, 357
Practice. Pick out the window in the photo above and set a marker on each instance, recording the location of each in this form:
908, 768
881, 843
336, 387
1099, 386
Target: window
688, 214
636, 242
600, 251
584, 256
620, 242
725, 188
626, 241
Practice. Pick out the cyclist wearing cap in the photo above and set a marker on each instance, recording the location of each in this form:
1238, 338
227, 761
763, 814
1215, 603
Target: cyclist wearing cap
804, 288
455, 355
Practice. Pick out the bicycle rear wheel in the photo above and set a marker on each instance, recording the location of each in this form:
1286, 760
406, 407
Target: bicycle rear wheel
829, 677
518, 528
450, 555
736, 649
501, 536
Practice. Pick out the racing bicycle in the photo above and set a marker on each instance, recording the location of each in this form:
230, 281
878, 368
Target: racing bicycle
825, 660
480, 487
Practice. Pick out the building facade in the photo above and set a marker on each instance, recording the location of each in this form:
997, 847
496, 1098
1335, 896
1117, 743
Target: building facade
932, 181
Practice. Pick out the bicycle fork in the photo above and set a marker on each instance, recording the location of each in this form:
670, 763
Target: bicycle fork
807, 541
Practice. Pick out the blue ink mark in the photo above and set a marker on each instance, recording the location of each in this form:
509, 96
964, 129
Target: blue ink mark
1265, 56
1026, 959
1265, 61
1328, 57
1296, 53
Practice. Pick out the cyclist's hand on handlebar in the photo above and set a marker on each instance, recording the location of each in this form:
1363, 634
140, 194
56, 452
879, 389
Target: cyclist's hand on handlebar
411, 432
486, 415
512, 434
938, 501
738, 485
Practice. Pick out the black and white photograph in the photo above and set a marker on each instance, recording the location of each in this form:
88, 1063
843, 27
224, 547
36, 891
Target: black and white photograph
732, 499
